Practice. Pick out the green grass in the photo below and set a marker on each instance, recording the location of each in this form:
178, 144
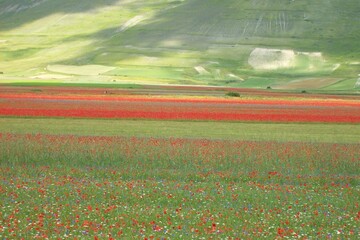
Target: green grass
348, 84
136, 188
336, 133
59, 84
218, 36
258, 82
149, 72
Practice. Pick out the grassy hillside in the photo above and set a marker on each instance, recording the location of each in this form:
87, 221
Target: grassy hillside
284, 44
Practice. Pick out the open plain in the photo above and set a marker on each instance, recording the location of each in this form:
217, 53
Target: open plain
179, 119
109, 163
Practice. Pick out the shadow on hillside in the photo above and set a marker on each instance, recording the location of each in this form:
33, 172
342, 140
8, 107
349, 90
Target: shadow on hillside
15, 13
197, 25
181, 25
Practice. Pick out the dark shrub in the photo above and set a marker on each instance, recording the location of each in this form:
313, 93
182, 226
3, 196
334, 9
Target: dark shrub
233, 94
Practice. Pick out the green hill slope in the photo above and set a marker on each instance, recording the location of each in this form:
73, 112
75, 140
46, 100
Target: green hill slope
284, 44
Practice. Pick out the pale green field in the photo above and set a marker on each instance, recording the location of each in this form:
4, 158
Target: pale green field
162, 41
289, 132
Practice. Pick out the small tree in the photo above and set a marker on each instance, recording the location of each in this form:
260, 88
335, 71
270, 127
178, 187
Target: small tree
233, 94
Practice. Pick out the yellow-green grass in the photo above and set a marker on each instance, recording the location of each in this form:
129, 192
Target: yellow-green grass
60, 84
179, 35
283, 132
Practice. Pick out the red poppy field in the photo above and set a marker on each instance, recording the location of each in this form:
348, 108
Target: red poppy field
171, 108
82, 185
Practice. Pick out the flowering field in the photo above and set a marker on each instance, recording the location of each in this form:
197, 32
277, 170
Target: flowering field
170, 108
65, 186
79, 164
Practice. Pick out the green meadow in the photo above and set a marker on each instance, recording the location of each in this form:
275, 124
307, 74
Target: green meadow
126, 179
182, 42
280, 132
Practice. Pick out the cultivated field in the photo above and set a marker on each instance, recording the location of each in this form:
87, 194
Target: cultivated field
179, 119
241, 43
180, 109
87, 163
